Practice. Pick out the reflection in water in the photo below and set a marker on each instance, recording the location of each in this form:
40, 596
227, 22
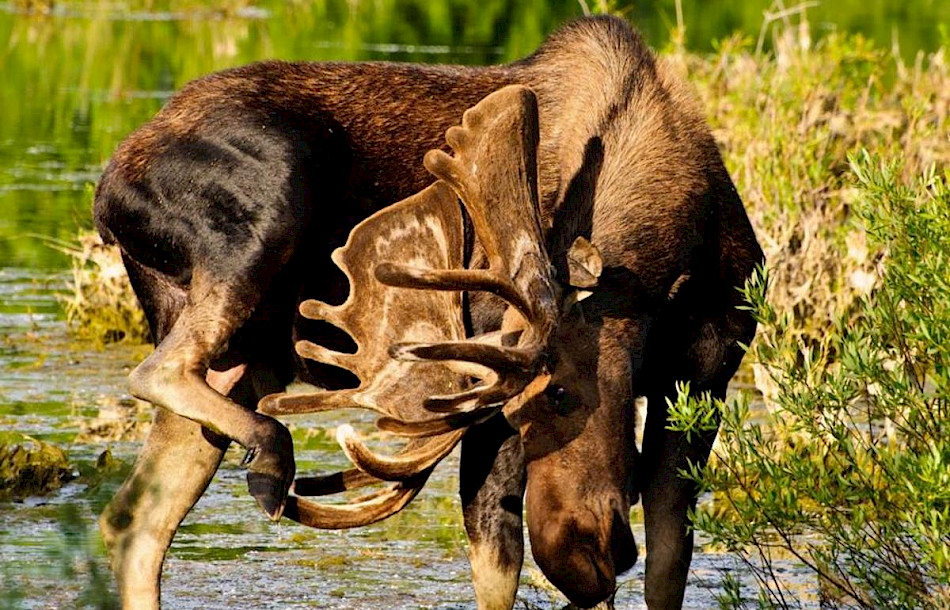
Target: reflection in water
78, 80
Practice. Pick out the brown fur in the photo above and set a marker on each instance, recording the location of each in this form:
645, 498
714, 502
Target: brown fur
223, 197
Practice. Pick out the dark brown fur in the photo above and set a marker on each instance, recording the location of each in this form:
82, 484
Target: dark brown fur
222, 206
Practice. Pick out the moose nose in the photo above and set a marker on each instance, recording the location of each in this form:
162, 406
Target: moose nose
579, 559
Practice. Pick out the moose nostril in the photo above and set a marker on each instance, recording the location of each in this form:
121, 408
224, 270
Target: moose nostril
623, 546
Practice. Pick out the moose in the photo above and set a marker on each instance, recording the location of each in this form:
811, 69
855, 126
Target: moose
574, 244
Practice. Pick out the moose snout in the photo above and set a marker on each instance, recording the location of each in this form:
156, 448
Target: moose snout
582, 552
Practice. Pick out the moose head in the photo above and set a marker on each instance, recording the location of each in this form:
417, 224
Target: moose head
559, 379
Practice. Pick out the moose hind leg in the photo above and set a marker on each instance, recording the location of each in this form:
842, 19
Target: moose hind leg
172, 471
492, 483
173, 377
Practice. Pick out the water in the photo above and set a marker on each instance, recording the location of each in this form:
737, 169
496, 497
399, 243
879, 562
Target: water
74, 84
225, 555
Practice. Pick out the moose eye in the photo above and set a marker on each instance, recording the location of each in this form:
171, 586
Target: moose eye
559, 399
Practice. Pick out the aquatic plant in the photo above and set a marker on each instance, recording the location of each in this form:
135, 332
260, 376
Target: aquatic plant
32, 468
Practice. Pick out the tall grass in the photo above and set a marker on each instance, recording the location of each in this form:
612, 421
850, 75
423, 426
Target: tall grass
841, 152
101, 305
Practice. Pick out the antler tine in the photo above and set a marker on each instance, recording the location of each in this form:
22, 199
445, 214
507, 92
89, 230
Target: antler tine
407, 276
362, 511
315, 402
335, 483
462, 420
494, 173
417, 456
435, 426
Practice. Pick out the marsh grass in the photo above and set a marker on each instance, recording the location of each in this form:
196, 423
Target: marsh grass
786, 123
101, 305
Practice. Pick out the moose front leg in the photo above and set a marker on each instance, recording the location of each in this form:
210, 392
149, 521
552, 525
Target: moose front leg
667, 498
492, 484
172, 471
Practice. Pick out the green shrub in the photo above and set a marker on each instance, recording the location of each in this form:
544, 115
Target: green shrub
849, 470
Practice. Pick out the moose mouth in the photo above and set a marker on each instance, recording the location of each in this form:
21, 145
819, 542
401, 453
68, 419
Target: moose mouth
582, 564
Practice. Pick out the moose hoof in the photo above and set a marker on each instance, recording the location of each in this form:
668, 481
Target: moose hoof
271, 473
269, 492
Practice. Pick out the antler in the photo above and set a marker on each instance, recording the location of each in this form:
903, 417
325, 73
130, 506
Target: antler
411, 342
425, 229
494, 173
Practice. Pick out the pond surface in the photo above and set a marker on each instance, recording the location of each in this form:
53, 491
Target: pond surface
79, 79
225, 555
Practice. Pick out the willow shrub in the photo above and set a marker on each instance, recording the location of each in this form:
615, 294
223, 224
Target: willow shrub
848, 470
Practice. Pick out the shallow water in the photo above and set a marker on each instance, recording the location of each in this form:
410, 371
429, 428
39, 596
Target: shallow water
225, 554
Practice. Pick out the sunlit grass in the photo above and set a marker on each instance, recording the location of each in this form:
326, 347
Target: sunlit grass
101, 305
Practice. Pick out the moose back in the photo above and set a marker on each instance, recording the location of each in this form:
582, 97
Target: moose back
595, 260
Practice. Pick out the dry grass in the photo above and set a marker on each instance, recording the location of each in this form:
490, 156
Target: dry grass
787, 122
102, 306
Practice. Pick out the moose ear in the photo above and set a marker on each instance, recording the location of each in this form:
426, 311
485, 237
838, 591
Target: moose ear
584, 266
584, 263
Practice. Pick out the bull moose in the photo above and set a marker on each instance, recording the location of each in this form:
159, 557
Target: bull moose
594, 260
